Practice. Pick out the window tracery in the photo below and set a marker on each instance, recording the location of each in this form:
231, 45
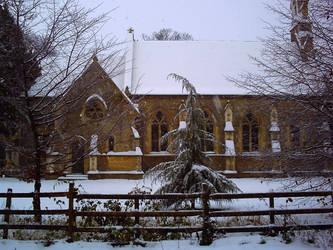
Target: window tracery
159, 128
250, 133
208, 145
295, 138
94, 110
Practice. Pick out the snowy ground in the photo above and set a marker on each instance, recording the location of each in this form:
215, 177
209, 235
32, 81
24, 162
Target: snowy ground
117, 186
232, 241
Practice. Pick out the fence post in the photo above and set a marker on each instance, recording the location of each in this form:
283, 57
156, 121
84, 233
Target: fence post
206, 237
271, 205
71, 216
137, 218
136, 206
8, 205
192, 201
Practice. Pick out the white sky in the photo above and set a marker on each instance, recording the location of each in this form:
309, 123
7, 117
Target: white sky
204, 19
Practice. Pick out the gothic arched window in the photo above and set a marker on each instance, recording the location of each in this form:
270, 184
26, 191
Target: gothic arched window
159, 128
208, 145
295, 138
94, 110
250, 133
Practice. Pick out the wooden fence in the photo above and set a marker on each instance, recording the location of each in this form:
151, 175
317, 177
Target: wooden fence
205, 212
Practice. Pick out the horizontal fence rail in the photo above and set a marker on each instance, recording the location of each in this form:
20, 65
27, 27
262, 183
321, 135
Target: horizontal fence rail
272, 228
139, 196
205, 212
180, 229
32, 212
142, 213
270, 211
31, 195
270, 194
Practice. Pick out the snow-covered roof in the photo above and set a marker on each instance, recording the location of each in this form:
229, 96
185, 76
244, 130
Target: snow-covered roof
206, 64
136, 152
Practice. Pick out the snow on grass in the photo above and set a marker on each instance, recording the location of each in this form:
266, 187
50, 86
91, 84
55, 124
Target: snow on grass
233, 241
117, 186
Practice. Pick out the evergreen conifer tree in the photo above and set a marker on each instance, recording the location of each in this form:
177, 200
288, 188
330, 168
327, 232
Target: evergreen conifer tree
18, 71
191, 168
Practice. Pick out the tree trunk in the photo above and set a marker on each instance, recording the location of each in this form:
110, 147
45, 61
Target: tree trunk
36, 174
36, 199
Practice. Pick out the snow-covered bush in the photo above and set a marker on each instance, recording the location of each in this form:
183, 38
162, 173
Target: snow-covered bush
320, 238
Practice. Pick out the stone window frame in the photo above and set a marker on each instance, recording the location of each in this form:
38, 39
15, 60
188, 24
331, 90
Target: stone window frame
95, 110
208, 146
295, 138
250, 133
159, 127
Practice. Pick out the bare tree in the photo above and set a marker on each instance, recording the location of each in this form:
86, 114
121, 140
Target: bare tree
297, 77
167, 34
62, 38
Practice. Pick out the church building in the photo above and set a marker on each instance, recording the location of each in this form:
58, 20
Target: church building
133, 110
243, 124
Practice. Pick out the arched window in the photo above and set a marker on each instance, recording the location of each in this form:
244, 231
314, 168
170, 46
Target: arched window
159, 128
208, 145
94, 110
250, 133
111, 143
295, 138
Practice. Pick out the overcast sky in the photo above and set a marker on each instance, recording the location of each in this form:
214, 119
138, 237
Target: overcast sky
204, 19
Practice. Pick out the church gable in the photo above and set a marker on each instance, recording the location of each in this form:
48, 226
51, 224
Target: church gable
95, 82
103, 117
101, 105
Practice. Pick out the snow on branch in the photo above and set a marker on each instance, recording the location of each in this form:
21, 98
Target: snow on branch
185, 83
